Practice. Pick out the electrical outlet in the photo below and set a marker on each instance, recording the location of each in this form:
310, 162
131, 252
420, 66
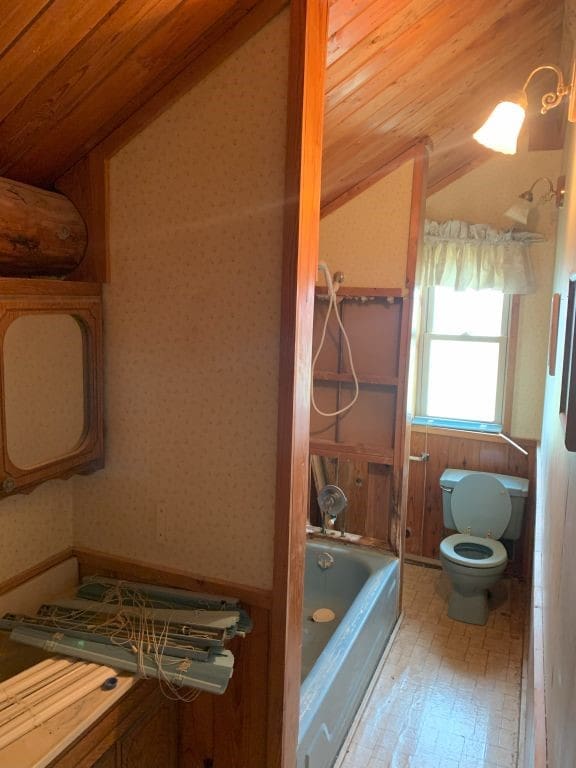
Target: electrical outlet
161, 524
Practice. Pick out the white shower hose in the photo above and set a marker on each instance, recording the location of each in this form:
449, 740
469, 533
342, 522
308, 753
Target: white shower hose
323, 267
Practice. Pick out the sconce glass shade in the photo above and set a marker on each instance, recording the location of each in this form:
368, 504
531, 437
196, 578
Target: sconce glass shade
500, 131
519, 211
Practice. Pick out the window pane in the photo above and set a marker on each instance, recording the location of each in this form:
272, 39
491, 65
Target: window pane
478, 313
463, 380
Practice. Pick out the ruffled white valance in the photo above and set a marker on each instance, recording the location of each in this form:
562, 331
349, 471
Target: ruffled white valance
460, 255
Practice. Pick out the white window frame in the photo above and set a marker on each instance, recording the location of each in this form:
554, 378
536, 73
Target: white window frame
426, 337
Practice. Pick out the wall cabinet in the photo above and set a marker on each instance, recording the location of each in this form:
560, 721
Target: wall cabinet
51, 382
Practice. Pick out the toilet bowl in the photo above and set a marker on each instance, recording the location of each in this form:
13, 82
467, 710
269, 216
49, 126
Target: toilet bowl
479, 506
470, 577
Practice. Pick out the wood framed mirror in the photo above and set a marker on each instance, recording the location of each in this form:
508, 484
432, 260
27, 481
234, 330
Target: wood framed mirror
51, 414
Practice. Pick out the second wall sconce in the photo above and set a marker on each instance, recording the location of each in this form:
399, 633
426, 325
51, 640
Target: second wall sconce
524, 203
501, 129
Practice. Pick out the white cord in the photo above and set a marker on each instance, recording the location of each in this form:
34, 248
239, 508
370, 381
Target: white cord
333, 305
136, 630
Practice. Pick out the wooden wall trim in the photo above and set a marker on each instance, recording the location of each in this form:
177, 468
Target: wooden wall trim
308, 40
92, 561
403, 421
485, 437
43, 287
417, 211
535, 755
36, 570
511, 354
412, 152
86, 184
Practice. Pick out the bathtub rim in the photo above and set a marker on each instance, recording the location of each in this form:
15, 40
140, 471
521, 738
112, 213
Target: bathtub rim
325, 666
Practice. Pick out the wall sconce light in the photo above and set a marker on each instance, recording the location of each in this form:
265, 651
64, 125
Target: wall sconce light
501, 129
520, 209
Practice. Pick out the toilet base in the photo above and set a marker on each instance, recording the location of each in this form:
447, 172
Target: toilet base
471, 609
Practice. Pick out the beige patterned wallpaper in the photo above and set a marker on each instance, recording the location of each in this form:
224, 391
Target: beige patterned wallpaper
35, 526
367, 237
483, 195
192, 326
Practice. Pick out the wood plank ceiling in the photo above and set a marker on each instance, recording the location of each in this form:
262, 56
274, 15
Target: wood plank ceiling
399, 71
71, 71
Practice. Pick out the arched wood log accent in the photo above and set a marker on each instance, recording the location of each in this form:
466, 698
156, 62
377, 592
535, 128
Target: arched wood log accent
41, 232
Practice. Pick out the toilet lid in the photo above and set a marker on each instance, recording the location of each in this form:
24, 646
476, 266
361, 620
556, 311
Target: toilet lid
481, 506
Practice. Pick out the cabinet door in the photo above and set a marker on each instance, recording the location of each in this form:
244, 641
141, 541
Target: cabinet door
153, 741
108, 759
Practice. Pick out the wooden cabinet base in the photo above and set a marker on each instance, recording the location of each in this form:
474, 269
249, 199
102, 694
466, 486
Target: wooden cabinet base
140, 731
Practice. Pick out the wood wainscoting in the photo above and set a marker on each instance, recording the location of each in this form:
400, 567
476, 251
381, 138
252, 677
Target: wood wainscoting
464, 450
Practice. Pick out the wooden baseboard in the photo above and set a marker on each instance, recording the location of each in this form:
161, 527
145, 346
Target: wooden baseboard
20, 578
429, 562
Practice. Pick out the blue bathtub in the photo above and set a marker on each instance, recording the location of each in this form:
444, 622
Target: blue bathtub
339, 657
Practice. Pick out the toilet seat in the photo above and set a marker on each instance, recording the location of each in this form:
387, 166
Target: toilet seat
476, 545
481, 506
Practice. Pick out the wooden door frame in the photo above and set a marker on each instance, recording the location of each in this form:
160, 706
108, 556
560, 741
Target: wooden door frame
308, 41
404, 424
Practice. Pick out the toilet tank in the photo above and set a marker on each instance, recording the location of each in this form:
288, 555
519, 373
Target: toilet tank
517, 487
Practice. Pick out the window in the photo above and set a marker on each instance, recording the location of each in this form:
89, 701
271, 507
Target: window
463, 358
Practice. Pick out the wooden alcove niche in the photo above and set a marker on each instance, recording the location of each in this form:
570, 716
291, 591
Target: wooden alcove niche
361, 450
48, 304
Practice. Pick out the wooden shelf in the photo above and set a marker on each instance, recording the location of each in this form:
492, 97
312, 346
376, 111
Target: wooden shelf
376, 454
356, 293
346, 378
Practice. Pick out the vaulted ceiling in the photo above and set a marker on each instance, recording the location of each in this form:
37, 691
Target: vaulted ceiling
404, 70
399, 71
71, 71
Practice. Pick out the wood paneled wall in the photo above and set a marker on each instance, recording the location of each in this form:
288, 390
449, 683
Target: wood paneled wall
368, 487
230, 730
465, 450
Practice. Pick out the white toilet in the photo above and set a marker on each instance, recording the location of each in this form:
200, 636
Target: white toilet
483, 508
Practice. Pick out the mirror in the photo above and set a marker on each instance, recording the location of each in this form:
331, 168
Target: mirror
51, 363
43, 388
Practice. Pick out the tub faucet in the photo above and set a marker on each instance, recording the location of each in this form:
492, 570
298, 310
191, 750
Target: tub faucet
332, 501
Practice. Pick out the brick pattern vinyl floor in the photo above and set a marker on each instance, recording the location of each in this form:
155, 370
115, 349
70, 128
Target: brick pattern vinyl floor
448, 695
